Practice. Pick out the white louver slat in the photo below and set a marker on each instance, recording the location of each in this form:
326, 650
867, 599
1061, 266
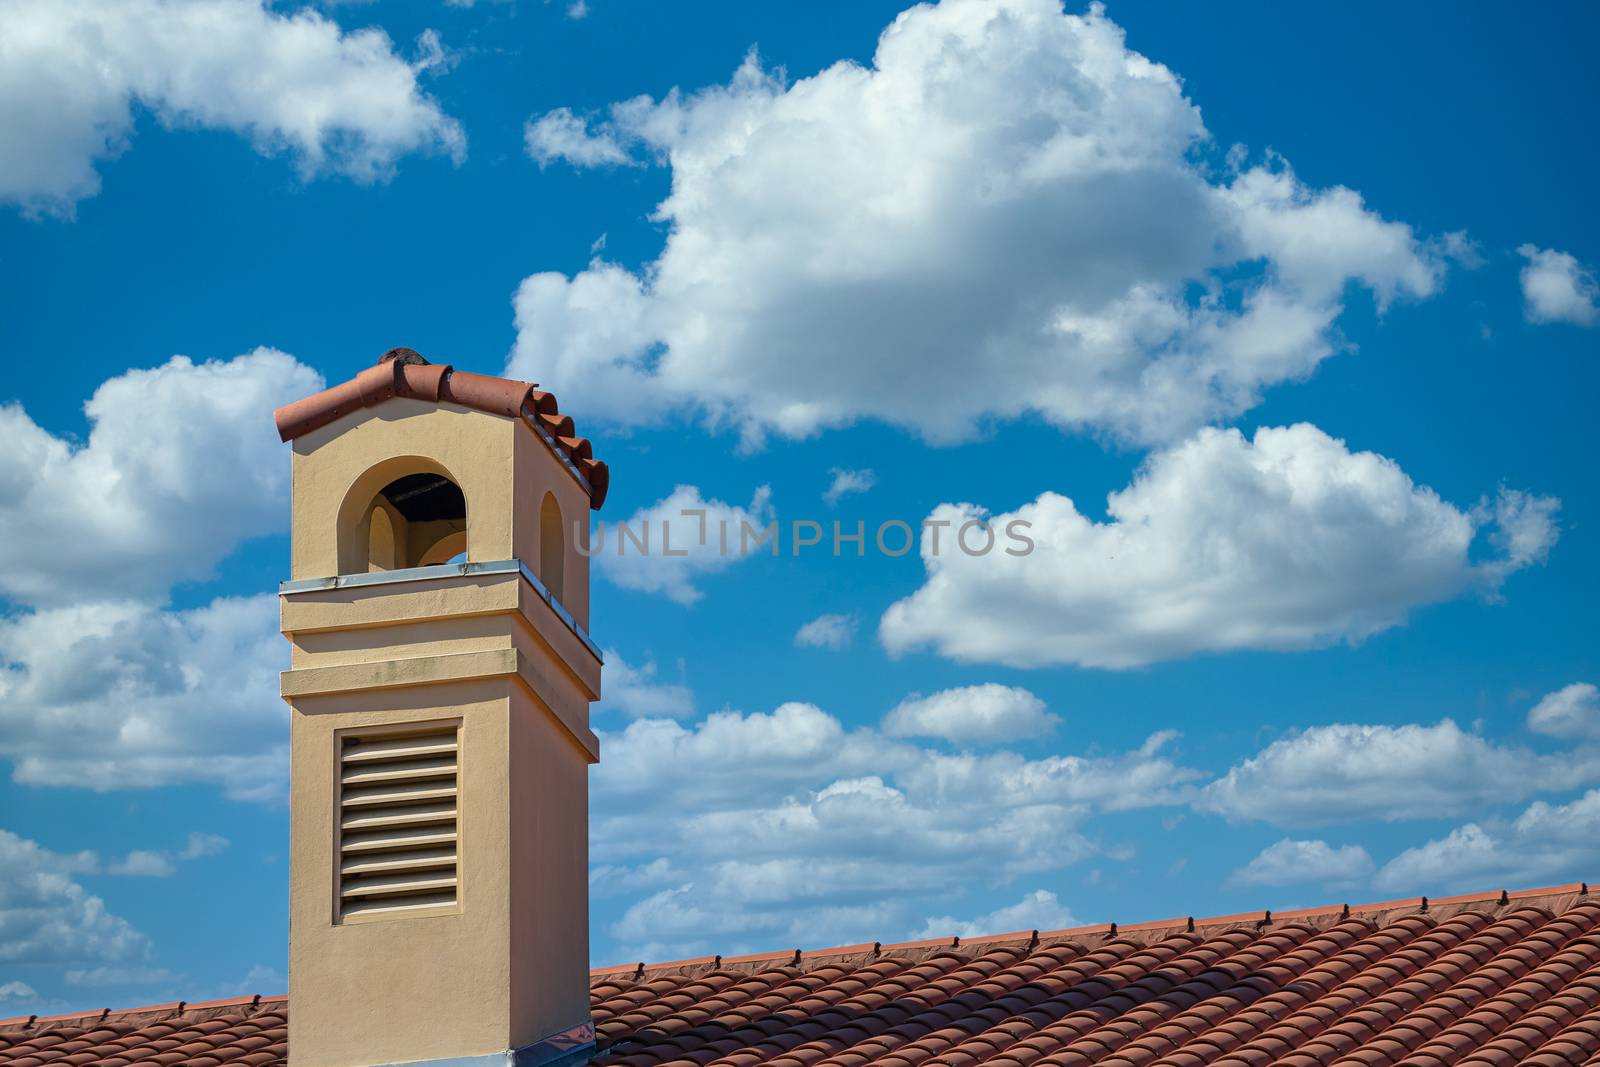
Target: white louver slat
397, 822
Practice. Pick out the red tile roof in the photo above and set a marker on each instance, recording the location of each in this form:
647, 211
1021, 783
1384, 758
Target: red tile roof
1486, 980
248, 1030
402, 372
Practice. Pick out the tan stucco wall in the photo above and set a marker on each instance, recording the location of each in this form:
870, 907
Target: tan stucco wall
503, 468
509, 965
537, 467
367, 624
417, 987
549, 873
338, 469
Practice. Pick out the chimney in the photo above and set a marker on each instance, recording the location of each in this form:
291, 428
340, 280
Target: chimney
440, 681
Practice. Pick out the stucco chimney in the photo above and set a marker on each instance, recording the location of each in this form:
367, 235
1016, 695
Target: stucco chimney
440, 682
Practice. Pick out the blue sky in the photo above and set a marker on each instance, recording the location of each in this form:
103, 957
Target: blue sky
1331, 639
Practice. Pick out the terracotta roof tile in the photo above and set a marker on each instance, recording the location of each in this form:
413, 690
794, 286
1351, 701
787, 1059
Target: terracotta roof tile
219, 1032
1483, 980
402, 372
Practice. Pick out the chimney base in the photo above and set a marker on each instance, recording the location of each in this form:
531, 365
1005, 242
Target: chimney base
566, 1049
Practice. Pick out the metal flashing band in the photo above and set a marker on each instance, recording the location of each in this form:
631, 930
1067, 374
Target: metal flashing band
444, 570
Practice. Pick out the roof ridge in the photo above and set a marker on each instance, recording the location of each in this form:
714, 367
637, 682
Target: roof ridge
179, 1009
1436, 906
1188, 923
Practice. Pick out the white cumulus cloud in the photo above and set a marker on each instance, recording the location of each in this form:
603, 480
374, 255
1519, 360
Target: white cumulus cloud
665, 547
74, 74
826, 631
1007, 212
126, 695
1557, 288
1285, 540
1292, 862
162, 863
102, 684
1544, 844
47, 917
116, 977
1572, 712
847, 480
1038, 910
972, 714
180, 464
637, 692
144, 863
743, 831
16, 991
561, 135
201, 845
1348, 773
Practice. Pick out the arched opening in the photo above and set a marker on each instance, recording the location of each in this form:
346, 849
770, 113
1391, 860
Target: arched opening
552, 547
415, 521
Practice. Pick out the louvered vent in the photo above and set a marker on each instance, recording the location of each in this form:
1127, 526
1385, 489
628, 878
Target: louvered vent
397, 822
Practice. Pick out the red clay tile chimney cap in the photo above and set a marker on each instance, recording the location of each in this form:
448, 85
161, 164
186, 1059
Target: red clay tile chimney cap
404, 372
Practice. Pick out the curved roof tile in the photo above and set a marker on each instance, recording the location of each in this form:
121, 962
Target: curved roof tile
1488, 979
403, 372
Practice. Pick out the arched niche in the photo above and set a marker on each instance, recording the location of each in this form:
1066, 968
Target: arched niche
405, 512
552, 547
